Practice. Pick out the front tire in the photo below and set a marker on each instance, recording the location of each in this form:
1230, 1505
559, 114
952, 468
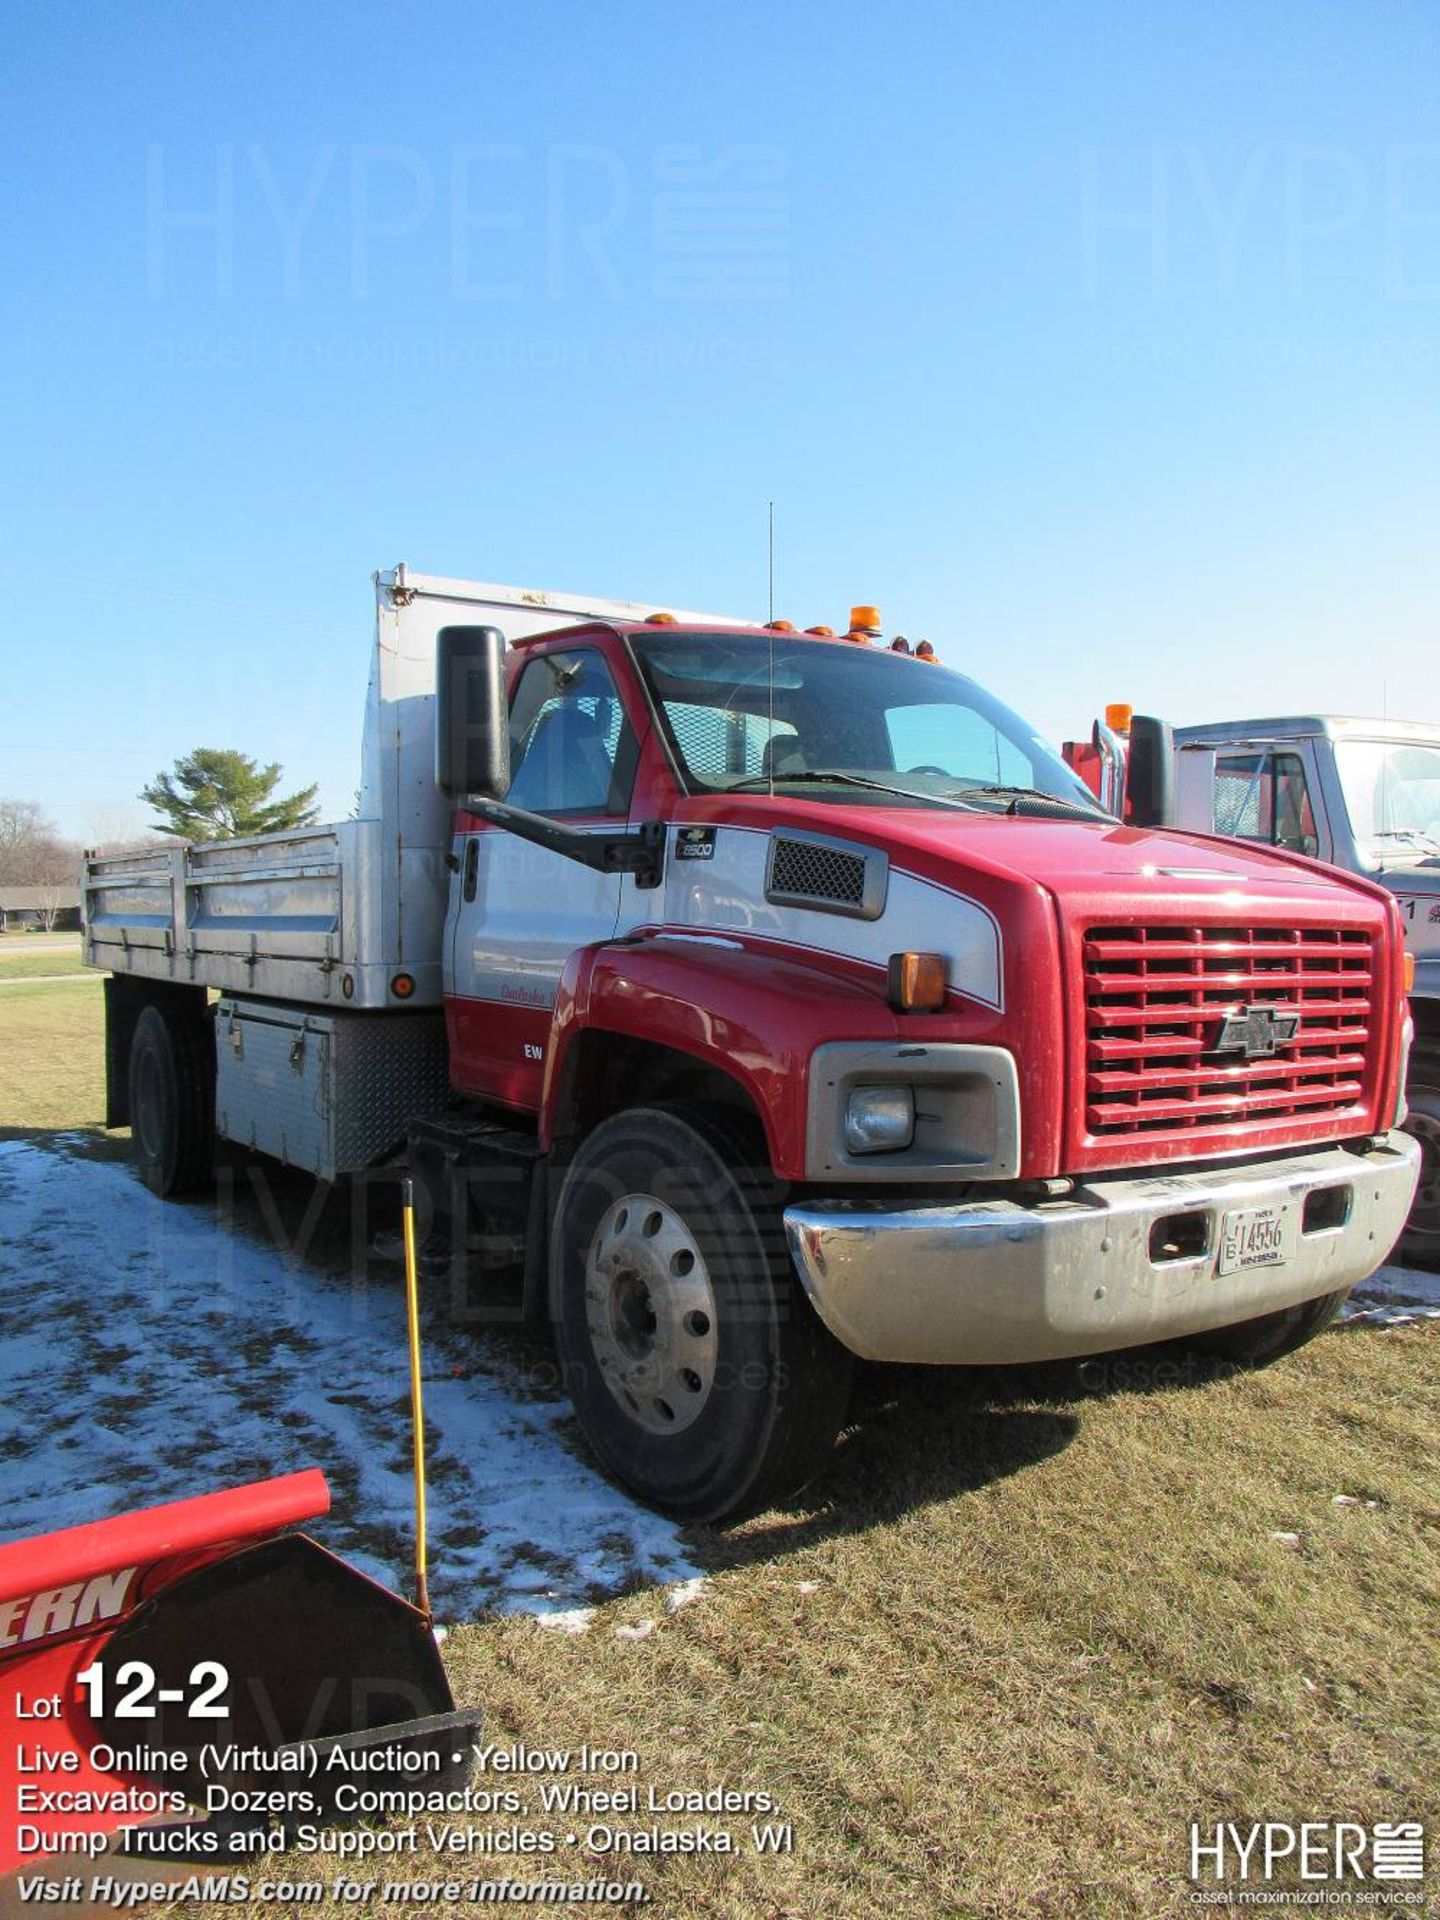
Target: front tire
700, 1374
172, 1101
1420, 1242
1255, 1343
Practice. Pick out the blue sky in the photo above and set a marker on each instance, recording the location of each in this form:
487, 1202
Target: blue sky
1099, 342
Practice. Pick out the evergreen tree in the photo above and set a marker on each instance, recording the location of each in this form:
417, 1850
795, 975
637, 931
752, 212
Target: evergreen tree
217, 794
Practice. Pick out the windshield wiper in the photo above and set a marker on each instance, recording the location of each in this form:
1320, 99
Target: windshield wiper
1017, 794
831, 776
1407, 833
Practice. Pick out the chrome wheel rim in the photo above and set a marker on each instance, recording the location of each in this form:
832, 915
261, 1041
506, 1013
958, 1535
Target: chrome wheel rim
650, 1311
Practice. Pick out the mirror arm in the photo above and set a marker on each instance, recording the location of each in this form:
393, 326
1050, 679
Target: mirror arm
641, 853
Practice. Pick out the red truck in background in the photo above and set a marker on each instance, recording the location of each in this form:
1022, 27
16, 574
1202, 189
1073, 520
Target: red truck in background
794, 1002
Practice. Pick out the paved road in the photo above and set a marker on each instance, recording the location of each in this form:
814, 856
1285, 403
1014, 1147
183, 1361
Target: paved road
40, 943
47, 979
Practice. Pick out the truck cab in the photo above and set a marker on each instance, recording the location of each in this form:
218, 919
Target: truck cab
1363, 794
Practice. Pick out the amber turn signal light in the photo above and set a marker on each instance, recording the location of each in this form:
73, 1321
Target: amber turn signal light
917, 982
1409, 964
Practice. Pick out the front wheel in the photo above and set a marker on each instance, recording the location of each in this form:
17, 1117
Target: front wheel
1255, 1343
1420, 1242
700, 1374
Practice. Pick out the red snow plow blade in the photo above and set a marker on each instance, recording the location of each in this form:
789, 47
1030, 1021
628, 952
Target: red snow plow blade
159, 1671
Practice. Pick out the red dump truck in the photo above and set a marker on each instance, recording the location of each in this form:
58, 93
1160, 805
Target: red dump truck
792, 1001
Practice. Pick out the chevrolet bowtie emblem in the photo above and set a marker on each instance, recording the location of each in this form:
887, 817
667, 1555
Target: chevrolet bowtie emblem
1255, 1031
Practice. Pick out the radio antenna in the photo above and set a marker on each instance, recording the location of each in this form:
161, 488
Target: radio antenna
769, 748
770, 600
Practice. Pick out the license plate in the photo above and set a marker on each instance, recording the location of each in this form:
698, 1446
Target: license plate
1254, 1237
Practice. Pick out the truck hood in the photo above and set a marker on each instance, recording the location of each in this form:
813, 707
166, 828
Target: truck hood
1070, 856
1047, 927
1410, 876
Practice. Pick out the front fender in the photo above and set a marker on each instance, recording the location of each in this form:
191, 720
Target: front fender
755, 1016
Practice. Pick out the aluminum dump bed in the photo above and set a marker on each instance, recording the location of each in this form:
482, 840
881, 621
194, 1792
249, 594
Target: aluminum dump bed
314, 915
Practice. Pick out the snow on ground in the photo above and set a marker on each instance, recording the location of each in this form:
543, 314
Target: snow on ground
1393, 1297
149, 1353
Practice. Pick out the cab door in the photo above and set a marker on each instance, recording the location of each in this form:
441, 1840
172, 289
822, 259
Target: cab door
1265, 793
522, 910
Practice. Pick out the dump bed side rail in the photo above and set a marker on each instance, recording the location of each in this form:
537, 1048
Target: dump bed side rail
313, 915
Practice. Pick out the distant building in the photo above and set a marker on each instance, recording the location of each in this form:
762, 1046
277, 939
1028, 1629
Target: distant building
39, 909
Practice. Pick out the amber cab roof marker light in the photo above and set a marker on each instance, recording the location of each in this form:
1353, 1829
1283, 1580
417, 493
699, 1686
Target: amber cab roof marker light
660, 620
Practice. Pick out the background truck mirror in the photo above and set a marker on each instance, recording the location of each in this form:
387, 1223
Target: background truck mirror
1151, 780
472, 725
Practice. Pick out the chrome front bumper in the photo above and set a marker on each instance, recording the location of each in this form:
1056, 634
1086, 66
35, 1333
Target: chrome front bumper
1115, 1263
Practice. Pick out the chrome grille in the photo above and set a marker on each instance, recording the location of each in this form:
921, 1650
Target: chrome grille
1156, 999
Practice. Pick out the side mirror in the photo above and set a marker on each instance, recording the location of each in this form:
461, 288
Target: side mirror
472, 722
1151, 776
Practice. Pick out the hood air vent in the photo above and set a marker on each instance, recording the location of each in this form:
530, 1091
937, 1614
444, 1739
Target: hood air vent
828, 876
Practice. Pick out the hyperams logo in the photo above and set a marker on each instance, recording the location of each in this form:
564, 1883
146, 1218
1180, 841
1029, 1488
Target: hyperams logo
1231, 1861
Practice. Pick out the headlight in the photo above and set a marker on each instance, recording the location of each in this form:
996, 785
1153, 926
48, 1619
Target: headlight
879, 1119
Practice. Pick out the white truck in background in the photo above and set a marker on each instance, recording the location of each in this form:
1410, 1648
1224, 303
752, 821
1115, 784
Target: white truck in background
1364, 795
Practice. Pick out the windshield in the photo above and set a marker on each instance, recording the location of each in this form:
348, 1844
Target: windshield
1392, 791
850, 723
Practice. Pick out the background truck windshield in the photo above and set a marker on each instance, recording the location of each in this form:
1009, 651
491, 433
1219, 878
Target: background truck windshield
1392, 790
832, 707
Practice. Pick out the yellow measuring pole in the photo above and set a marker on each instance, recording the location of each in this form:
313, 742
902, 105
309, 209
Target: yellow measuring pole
417, 1401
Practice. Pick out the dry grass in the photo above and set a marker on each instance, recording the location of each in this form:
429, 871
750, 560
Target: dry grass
1047, 1630
1030, 1627
42, 965
52, 1054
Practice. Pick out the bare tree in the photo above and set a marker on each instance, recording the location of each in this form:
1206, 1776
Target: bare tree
30, 845
51, 900
121, 829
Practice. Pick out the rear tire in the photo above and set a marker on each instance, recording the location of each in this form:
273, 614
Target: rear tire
700, 1374
1255, 1343
172, 1100
1419, 1244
